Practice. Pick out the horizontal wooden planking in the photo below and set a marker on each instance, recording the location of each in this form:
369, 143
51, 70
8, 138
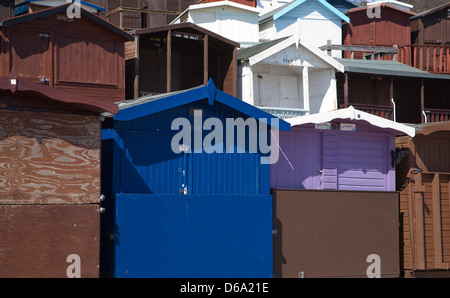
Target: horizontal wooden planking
49, 158
38, 239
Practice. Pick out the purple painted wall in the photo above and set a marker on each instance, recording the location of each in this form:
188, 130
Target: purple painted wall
333, 159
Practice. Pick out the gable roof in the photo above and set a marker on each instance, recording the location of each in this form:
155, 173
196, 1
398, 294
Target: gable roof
342, 5
282, 10
147, 105
216, 4
53, 3
351, 113
188, 27
430, 11
381, 4
63, 8
264, 50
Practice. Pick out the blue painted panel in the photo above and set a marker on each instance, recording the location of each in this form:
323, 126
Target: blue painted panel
149, 166
194, 236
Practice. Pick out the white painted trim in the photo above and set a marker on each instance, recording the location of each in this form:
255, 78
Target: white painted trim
290, 41
352, 114
305, 81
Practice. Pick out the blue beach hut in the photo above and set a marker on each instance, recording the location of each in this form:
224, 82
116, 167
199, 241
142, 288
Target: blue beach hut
187, 190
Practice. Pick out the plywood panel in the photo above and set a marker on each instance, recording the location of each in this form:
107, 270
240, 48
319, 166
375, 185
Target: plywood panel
331, 233
37, 239
49, 158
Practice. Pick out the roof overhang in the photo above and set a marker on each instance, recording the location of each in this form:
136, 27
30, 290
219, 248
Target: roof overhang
351, 113
51, 3
294, 40
324, 3
63, 8
204, 6
429, 128
144, 106
25, 88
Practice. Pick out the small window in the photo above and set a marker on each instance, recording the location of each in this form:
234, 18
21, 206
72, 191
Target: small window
448, 13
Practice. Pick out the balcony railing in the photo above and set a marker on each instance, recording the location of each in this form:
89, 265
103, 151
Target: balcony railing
437, 115
431, 58
284, 113
381, 111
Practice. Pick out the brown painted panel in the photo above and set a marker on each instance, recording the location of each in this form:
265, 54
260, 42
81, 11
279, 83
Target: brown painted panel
77, 57
31, 55
331, 233
37, 240
49, 158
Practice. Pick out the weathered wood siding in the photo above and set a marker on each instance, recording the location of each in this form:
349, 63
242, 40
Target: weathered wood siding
49, 158
424, 201
36, 240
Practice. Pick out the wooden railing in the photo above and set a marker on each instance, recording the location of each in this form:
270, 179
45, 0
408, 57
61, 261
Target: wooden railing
431, 58
436, 115
381, 111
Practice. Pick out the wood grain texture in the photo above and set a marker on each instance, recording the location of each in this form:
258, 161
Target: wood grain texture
37, 239
49, 158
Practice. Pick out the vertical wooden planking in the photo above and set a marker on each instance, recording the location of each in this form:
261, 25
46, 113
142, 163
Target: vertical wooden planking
437, 233
420, 237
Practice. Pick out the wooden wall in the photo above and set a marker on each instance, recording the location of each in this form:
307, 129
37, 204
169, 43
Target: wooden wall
49, 158
433, 28
392, 28
424, 201
79, 56
49, 193
38, 239
323, 233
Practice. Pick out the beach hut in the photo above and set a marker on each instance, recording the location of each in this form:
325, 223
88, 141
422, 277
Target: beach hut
181, 56
235, 20
315, 21
50, 180
336, 209
83, 54
197, 205
423, 180
345, 149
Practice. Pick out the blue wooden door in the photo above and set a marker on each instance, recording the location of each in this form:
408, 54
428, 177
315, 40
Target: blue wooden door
193, 236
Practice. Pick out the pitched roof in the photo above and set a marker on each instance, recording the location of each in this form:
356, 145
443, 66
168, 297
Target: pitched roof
147, 105
353, 114
188, 28
63, 8
387, 67
247, 52
280, 11
216, 4
342, 5
261, 51
430, 11
381, 5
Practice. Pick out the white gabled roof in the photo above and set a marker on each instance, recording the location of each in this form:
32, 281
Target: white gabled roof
216, 4
289, 42
352, 114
